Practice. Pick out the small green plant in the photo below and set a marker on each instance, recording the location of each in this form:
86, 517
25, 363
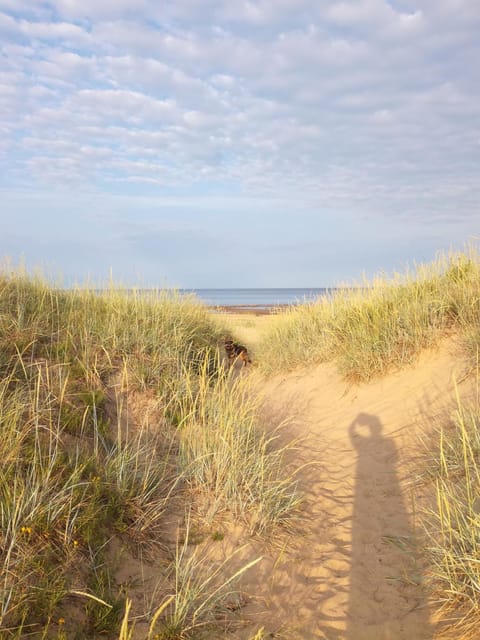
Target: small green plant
103, 612
202, 592
218, 536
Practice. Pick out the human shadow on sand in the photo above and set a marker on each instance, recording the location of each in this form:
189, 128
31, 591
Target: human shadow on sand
386, 598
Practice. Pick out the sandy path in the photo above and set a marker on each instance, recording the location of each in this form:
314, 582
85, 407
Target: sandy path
347, 574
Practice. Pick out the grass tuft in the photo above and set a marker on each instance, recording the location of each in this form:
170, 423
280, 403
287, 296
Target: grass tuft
378, 326
227, 457
453, 524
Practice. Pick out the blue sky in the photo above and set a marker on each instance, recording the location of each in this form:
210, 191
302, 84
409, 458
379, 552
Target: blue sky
226, 143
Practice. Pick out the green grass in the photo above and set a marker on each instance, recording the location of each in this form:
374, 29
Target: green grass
202, 593
373, 327
82, 470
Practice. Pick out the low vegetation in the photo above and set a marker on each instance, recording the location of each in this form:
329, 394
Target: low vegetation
239, 468
116, 411
376, 326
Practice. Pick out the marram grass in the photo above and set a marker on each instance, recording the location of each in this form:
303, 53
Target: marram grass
452, 525
80, 472
223, 451
373, 327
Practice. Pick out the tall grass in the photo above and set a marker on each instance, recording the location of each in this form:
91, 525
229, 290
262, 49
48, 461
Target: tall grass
202, 593
81, 467
376, 326
453, 525
223, 452
62, 500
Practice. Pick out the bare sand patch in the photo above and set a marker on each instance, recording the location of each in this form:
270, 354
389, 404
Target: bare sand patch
352, 570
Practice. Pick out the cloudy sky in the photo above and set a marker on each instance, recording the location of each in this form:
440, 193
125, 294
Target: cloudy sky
230, 143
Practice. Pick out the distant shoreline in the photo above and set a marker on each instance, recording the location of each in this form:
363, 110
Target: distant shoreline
260, 300
254, 309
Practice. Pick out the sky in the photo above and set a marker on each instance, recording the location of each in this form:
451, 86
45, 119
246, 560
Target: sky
232, 143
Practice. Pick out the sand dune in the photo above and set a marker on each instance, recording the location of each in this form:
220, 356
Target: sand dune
352, 570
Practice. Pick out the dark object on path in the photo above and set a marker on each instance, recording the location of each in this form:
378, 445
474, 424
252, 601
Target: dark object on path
235, 351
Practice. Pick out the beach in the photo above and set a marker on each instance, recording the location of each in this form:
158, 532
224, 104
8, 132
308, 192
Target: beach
249, 309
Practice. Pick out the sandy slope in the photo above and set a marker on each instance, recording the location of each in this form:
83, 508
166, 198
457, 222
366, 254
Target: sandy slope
350, 570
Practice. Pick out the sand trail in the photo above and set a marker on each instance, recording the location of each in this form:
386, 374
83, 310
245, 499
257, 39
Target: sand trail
351, 571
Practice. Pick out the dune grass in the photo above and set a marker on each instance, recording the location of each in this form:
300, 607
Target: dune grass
452, 526
203, 595
373, 327
222, 451
81, 470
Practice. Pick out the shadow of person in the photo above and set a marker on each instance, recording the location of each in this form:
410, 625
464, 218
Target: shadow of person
386, 599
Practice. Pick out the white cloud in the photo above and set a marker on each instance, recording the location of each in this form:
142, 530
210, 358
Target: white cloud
69, 34
8, 25
94, 10
376, 17
359, 103
68, 67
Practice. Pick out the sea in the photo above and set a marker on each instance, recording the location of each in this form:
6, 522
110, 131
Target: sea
257, 299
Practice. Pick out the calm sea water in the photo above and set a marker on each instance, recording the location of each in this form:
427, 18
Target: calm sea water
259, 298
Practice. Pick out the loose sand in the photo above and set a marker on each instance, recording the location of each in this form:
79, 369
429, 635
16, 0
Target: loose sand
352, 568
